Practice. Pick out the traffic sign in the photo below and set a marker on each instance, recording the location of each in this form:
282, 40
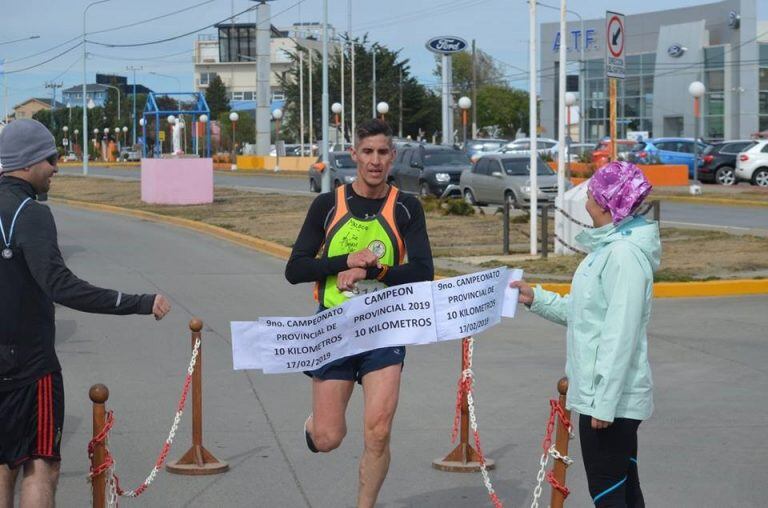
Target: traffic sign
615, 34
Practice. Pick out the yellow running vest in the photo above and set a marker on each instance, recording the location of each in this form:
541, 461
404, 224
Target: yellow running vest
346, 234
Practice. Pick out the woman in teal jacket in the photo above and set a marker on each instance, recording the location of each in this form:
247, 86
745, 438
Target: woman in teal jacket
606, 315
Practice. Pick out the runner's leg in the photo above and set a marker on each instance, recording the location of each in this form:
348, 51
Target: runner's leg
381, 389
38, 486
328, 424
7, 484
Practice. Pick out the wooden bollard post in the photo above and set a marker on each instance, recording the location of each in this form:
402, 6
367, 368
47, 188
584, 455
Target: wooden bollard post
561, 445
464, 458
99, 395
197, 460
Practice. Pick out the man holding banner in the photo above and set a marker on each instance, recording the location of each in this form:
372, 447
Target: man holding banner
362, 232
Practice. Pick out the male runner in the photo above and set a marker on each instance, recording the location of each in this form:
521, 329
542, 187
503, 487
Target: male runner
362, 232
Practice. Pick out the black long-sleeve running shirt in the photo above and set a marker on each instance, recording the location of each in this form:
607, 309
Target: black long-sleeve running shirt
32, 280
305, 266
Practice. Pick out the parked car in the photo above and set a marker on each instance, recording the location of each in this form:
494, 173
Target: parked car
341, 166
718, 161
130, 154
753, 164
477, 147
579, 151
522, 146
428, 169
602, 152
667, 151
495, 178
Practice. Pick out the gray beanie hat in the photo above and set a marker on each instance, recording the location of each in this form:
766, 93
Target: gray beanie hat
23, 143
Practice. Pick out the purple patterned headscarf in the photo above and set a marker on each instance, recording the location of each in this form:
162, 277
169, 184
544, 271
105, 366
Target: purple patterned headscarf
619, 187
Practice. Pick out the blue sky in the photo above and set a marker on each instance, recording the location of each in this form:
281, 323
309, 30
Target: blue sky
500, 28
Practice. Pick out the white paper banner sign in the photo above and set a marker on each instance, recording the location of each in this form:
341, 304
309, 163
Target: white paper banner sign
418, 313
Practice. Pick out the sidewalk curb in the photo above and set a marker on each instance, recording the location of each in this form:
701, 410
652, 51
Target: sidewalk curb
715, 201
737, 287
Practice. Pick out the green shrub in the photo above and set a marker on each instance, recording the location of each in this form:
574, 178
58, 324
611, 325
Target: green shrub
457, 207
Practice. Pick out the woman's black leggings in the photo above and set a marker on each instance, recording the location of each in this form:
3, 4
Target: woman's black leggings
610, 459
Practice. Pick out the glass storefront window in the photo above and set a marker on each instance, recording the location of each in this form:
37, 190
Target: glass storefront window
647, 87
714, 127
632, 86
764, 123
763, 103
764, 79
714, 58
763, 52
595, 69
715, 104
632, 106
634, 65
649, 63
715, 81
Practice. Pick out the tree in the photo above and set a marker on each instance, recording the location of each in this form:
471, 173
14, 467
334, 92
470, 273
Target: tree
216, 96
502, 107
421, 110
486, 71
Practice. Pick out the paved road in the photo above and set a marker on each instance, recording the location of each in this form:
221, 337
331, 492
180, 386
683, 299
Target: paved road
271, 183
737, 219
704, 448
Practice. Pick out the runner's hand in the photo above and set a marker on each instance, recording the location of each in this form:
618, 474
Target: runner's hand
161, 307
600, 424
526, 293
362, 259
347, 279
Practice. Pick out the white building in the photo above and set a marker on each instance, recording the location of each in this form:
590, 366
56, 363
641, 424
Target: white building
231, 54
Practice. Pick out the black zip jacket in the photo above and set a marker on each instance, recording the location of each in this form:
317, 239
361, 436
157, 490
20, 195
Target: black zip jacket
32, 280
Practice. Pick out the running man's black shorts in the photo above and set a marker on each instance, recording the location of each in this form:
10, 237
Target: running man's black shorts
31, 421
353, 368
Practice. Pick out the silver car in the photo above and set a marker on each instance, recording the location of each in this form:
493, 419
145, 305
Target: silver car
495, 178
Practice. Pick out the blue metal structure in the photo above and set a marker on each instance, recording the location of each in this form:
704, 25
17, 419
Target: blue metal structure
198, 106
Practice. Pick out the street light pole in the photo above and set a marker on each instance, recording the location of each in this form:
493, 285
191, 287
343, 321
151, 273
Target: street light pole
326, 180
464, 104
118, 99
373, 83
233, 117
85, 58
697, 90
277, 114
134, 69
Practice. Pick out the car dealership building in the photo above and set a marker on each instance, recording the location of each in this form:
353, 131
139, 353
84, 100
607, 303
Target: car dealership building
722, 44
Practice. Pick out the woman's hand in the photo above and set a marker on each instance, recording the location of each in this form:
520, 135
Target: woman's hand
526, 293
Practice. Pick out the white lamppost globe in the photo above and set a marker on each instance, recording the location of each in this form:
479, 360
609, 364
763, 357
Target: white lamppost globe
203, 118
570, 98
382, 108
91, 104
142, 122
125, 130
465, 103
106, 130
697, 89
65, 129
77, 131
171, 119
277, 114
336, 108
117, 130
234, 117
95, 131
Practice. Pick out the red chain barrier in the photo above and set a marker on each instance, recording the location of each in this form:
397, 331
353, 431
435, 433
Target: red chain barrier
556, 484
555, 410
109, 461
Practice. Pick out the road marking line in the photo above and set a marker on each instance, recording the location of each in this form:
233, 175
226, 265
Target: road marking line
703, 225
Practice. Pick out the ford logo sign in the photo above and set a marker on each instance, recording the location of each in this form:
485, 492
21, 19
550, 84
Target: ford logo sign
446, 44
676, 50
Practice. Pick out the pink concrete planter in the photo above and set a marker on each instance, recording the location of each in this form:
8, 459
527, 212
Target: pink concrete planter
177, 181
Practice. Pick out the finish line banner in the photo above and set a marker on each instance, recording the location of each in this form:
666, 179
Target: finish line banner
418, 313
